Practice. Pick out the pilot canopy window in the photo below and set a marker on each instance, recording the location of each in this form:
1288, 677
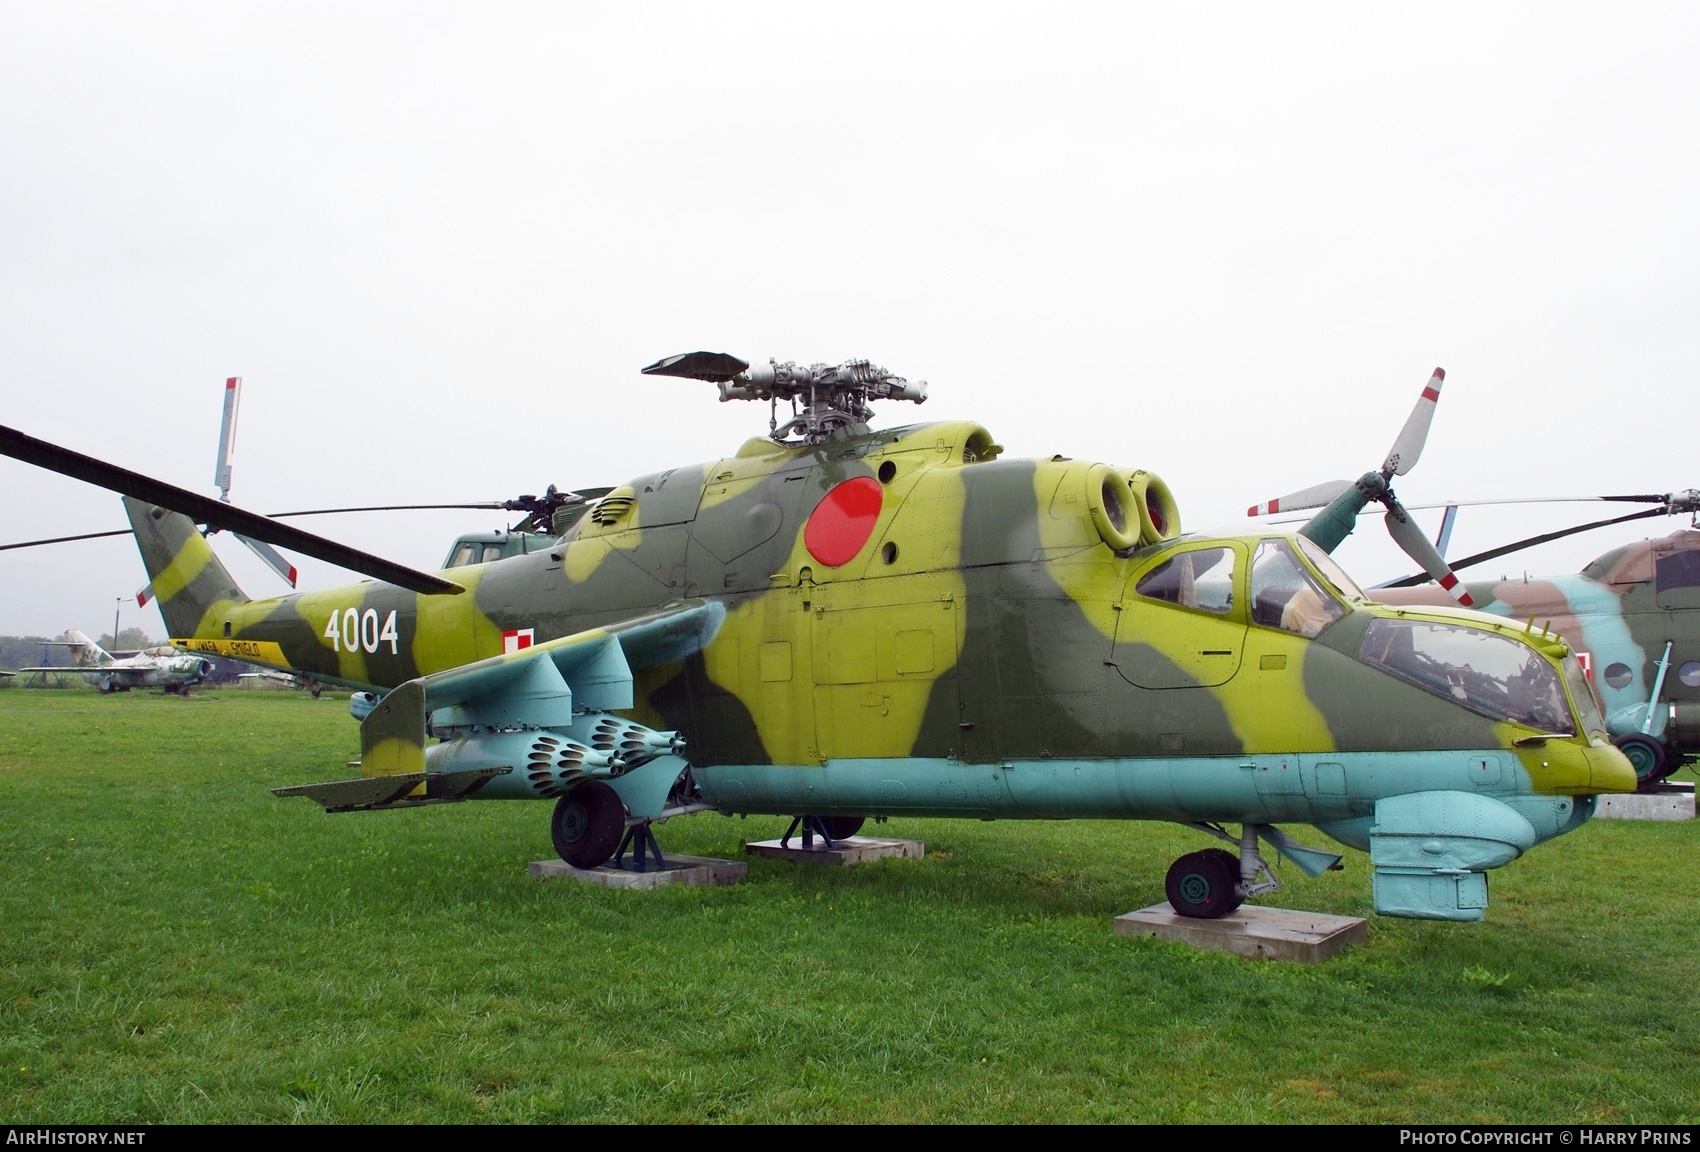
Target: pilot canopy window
1202, 579
1285, 595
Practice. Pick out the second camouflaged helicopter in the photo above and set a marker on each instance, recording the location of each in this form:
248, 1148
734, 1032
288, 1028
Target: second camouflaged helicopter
847, 622
1632, 616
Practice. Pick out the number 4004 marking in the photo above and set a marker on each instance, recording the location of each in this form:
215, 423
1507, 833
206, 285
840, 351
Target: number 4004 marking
354, 630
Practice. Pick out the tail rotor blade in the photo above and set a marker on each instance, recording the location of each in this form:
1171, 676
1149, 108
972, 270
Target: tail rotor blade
272, 557
227, 436
1411, 538
1444, 537
1409, 446
1313, 497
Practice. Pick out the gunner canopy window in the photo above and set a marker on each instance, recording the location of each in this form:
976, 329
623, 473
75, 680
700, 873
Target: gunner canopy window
1203, 578
1492, 674
1285, 595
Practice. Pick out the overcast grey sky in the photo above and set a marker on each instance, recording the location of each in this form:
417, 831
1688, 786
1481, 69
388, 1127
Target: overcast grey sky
1226, 243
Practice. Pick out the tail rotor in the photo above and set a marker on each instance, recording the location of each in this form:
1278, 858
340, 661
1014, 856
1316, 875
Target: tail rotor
1342, 500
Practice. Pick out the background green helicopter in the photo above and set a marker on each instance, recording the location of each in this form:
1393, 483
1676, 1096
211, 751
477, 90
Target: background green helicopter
840, 622
1630, 614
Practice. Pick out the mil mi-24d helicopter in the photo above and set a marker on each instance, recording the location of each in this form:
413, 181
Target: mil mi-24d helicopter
1631, 615
838, 622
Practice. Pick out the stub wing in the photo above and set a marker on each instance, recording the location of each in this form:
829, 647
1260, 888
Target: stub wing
547, 686
406, 790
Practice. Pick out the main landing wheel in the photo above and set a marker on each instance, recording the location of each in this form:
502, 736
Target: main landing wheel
1646, 756
587, 824
1201, 884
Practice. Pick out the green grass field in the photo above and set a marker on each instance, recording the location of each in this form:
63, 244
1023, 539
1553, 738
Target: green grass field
179, 946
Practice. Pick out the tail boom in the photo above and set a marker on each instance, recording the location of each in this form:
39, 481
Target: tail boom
193, 588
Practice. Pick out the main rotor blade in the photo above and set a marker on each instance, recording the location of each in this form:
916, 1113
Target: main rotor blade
1409, 446
64, 539
1408, 536
1544, 538
1685, 501
715, 367
214, 513
1316, 496
489, 505
1688, 500
1654, 498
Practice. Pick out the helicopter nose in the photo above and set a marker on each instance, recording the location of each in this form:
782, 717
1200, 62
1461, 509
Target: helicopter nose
1609, 770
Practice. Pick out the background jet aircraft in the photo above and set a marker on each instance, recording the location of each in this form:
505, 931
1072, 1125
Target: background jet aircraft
163, 668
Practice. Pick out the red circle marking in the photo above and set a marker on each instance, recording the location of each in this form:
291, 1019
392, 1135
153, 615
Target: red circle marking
842, 522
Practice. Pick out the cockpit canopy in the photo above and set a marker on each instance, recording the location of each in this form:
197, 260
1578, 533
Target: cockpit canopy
1491, 673
1284, 591
1294, 586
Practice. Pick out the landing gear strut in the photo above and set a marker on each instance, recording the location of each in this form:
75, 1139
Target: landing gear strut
828, 828
639, 839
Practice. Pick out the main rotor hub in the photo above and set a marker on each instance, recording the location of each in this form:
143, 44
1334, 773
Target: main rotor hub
824, 397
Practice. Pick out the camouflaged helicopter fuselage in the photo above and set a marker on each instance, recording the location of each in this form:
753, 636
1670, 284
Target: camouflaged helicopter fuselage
915, 625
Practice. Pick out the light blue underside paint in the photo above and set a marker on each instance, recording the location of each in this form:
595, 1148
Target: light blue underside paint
1334, 786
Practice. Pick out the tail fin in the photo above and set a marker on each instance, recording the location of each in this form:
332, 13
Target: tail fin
191, 585
89, 654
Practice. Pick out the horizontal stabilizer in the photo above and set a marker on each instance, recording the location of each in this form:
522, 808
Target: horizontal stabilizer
399, 791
